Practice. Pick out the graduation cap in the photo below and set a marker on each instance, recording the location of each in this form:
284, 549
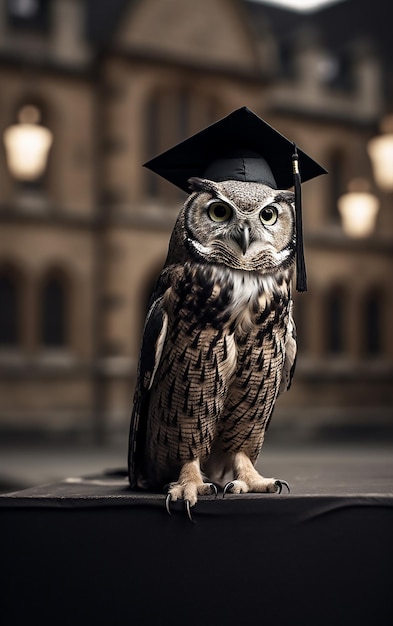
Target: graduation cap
244, 147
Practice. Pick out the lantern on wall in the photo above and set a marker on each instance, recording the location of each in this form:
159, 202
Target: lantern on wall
358, 209
380, 150
27, 145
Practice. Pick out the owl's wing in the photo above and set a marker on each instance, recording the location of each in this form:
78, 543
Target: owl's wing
154, 335
288, 368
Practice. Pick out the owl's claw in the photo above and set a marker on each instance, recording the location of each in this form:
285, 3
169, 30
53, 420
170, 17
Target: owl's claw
280, 484
167, 503
188, 511
187, 505
227, 488
214, 489
238, 487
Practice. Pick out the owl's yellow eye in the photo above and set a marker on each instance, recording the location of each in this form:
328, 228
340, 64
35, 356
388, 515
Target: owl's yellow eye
219, 212
268, 215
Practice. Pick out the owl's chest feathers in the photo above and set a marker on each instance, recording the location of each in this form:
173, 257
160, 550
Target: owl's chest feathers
232, 300
248, 296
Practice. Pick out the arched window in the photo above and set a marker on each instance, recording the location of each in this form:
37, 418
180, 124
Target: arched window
372, 323
336, 169
172, 115
9, 314
30, 15
53, 318
152, 134
335, 321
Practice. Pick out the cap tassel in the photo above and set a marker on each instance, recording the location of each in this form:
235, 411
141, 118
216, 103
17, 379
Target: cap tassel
301, 275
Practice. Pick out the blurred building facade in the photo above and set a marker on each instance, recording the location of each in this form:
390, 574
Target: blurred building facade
81, 245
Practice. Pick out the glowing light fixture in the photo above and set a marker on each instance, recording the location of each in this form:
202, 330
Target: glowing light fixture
24, 8
358, 209
27, 145
380, 150
302, 6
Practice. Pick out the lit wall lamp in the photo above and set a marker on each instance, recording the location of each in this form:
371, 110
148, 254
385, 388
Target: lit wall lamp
27, 145
380, 150
358, 209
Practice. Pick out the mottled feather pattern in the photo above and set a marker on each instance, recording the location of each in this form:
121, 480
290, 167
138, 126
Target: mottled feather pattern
219, 343
198, 398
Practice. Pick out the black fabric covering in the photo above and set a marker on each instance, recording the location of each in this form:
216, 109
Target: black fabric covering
244, 165
92, 552
237, 134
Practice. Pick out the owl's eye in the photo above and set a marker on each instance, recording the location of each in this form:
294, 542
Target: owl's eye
219, 212
268, 215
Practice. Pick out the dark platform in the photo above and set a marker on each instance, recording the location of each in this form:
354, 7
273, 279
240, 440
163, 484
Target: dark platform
89, 551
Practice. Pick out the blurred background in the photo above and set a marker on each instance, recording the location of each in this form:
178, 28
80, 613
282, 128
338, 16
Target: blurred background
90, 90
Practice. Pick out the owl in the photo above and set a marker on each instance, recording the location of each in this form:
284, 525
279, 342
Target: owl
219, 343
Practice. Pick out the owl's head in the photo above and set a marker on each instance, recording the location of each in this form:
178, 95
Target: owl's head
242, 225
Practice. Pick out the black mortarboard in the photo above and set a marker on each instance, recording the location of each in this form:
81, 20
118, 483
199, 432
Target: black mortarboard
244, 147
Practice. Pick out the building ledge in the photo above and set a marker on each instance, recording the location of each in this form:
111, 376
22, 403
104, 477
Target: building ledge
335, 239
16, 364
344, 370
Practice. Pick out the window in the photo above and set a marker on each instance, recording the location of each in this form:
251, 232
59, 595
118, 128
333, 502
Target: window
172, 115
53, 331
29, 14
9, 332
336, 169
152, 126
372, 323
335, 320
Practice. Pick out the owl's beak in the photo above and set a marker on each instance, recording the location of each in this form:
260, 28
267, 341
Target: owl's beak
243, 238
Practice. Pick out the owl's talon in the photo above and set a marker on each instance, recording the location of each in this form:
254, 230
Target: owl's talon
187, 505
227, 488
167, 503
188, 511
214, 489
280, 484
